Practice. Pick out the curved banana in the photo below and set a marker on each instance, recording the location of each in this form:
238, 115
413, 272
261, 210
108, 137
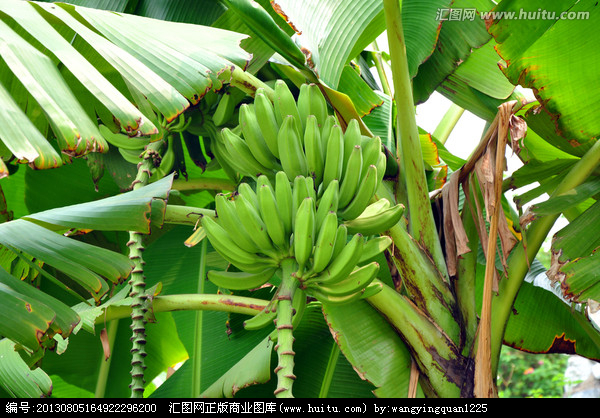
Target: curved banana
356, 281
313, 149
374, 247
329, 202
299, 193
334, 156
240, 280
304, 232
291, 153
351, 178
267, 121
254, 225
352, 138
262, 319
248, 192
381, 167
285, 104
303, 105
342, 265
230, 251
228, 218
123, 141
168, 160
130, 155
240, 153
193, 143
223, 158
341, 238
371, 150
226, 106
270, 215
325, 243
254, 137
284, 197
376, 223
372, 289
362, 198
329, 123
376, 207
318, 104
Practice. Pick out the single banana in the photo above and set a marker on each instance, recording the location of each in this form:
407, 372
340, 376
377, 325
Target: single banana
381, 167
303, 105
304, 232
240, 153
328, 125
264, 318
284, 197
334, 156
248, 192
352, 138
298, 305
362, 198
224, 158
318, 104
313, 149
325, 243
228, 218
285, 104
291, 152
310, 188
299, 193
351, 178
342, 265
226, 106
231, 251
240, 280
168, 160
376, 223
376, 207
374, 247
371, 150
270, 215
254, 137
267, 121
341, 239
329, 202
372, 289
254, 225
356, 281
123, 141
130, 155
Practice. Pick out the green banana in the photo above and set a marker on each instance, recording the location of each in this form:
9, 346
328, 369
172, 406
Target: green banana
254, 137
341, 238
381, 167
248, 192
226, 106
362, 198
351, 178
376, 223
130, 155
352, 138
376, 207
342, 265
304, 232
241, 154
291, 153
329, 202
240, 280
270, 215
356, 281
313, 149
310, 188
168, 160
318, 104
267, 121
334, 156
123, 141
299, 193
231, 251
329, 123
228, 218
262, 319
284, 197
371, 150
254, 225
374, 247
285, 104
223, 158
303, 105
325, 243
372, 289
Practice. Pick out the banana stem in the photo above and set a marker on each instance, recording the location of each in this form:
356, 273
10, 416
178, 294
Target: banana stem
185, 215
448, 122
203, 183
421, 222
137, 282
284, 327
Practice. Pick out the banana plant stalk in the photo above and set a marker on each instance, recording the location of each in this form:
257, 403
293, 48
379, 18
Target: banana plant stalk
139, 304
285, 338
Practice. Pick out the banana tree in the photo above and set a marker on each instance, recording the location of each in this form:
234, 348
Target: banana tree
249, 178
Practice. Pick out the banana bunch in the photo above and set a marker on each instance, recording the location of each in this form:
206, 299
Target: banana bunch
256, 229
302, 139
